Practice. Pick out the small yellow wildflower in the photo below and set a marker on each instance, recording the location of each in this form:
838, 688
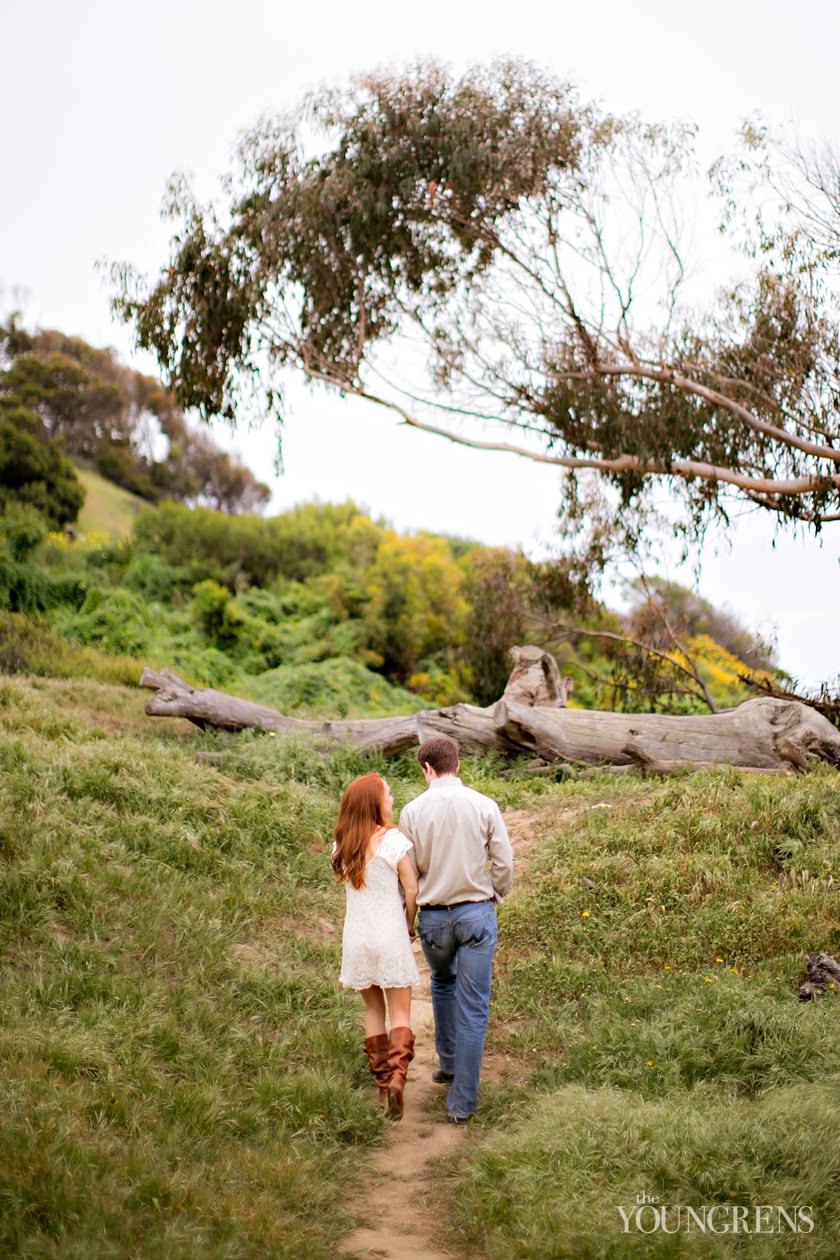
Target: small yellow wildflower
648, 1062
709, 979
720, 960
733, 971
666, 966
584, 914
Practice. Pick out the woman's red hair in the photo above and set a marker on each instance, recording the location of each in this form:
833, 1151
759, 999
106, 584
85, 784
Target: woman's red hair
361, 813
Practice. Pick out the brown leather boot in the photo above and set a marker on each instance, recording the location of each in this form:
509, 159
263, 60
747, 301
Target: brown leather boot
400, 1054
377, 1048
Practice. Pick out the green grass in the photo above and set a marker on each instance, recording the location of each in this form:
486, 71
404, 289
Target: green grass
182, 1077
647, 988
642, 880
108, 511
550, 1185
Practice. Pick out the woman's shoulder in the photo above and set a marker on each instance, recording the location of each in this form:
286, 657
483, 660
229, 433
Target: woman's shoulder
396, 842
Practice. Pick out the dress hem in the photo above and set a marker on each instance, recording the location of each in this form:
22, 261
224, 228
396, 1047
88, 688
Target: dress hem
379, 984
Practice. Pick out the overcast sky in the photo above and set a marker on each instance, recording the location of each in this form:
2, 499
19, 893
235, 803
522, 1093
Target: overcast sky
101, 102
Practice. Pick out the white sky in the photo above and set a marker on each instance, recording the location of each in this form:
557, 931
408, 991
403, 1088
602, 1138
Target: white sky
101, 102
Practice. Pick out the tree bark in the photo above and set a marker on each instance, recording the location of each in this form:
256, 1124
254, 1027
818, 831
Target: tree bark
760, 734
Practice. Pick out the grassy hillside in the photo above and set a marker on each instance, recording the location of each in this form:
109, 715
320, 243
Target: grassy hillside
181, 1077
109, 511
647, 990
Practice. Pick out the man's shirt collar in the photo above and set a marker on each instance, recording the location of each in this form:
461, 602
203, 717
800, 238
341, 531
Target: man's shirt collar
445, 780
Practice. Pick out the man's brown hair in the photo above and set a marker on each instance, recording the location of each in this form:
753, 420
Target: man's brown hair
440, 752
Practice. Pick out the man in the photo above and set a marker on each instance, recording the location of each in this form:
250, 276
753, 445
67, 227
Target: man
464, 865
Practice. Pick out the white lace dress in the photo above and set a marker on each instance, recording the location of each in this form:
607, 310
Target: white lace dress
375, 948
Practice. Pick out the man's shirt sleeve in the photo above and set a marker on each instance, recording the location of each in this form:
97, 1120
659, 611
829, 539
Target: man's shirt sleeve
407, 828
501, 854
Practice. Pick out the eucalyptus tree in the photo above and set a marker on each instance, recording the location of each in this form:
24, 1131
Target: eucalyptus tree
496, 262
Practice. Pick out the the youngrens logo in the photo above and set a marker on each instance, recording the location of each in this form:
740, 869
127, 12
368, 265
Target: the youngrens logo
646, 1215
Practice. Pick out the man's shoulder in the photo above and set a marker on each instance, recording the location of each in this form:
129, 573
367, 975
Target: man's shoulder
480, 797
455, 788
474, 798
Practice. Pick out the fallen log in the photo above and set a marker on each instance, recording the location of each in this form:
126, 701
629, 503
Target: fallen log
760, 734
473, 727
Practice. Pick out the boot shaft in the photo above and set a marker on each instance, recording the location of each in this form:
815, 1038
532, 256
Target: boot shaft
377, 1050
400, 1051
400, 1054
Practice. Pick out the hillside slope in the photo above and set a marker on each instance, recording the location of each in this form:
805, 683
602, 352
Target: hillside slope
181, 1076
109, 511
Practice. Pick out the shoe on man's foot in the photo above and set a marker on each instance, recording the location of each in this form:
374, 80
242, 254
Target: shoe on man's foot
457, 1119
440, 1077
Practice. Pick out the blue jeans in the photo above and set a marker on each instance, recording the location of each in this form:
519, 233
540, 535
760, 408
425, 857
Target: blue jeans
458, 942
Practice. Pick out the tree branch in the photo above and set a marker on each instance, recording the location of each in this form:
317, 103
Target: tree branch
623, 463
662, 614
614, 637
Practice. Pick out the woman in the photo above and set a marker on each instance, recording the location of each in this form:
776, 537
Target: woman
372, 860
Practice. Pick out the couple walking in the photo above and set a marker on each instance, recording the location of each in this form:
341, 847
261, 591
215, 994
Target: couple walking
452, 860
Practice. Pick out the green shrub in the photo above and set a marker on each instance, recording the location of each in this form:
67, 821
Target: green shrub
34, 470
26, 647
216, 616
299, 544
333, 688
116, 621
22, 529
152, 578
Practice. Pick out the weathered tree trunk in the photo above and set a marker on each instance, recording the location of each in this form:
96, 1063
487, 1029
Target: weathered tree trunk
473, 727
764, 734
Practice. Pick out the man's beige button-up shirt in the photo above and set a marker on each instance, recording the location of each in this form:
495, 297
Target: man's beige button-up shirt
461, 846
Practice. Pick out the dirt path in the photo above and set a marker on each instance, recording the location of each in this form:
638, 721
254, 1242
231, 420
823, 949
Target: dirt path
404, 1204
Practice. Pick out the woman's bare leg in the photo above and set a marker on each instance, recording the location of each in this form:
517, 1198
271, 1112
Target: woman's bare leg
399, 1006
374, 1001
